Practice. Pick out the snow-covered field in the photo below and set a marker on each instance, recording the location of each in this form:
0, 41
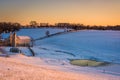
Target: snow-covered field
100, 45
35, 33
85, 44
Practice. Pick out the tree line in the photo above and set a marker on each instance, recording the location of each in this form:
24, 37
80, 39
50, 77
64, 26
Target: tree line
6, 27
12, 27
34, 24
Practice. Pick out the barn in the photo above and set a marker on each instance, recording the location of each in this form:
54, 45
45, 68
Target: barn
19, 40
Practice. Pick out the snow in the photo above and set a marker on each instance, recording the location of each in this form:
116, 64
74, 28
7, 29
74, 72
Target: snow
34, 33
18, 67
25, 51
84, 44
102, 45
24, 37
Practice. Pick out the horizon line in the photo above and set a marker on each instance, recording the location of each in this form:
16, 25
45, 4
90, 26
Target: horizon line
25, 24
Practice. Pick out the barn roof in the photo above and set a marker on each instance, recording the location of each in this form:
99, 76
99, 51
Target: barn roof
23, 37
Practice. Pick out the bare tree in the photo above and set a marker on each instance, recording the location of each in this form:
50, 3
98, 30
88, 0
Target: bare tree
33, 24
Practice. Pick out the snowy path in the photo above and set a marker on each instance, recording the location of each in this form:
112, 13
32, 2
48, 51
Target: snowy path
26, 51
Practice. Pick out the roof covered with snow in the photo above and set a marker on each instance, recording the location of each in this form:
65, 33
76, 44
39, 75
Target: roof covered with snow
23, 37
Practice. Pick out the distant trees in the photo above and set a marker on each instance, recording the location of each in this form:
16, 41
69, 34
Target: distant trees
44, 25
9, 27
33, 24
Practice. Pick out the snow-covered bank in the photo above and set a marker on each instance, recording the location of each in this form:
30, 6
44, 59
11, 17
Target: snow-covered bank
18, 67
54, 53
61, 59
85, 44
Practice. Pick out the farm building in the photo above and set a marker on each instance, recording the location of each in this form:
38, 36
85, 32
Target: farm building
15, 40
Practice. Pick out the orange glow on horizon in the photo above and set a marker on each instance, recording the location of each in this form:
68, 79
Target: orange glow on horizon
87, 12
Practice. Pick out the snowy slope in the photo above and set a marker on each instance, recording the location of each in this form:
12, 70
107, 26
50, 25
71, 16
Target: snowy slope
34, 33
101, 45
88, 44
85, 44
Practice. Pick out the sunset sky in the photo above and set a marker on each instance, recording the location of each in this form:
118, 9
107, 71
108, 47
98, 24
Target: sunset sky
88, 12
